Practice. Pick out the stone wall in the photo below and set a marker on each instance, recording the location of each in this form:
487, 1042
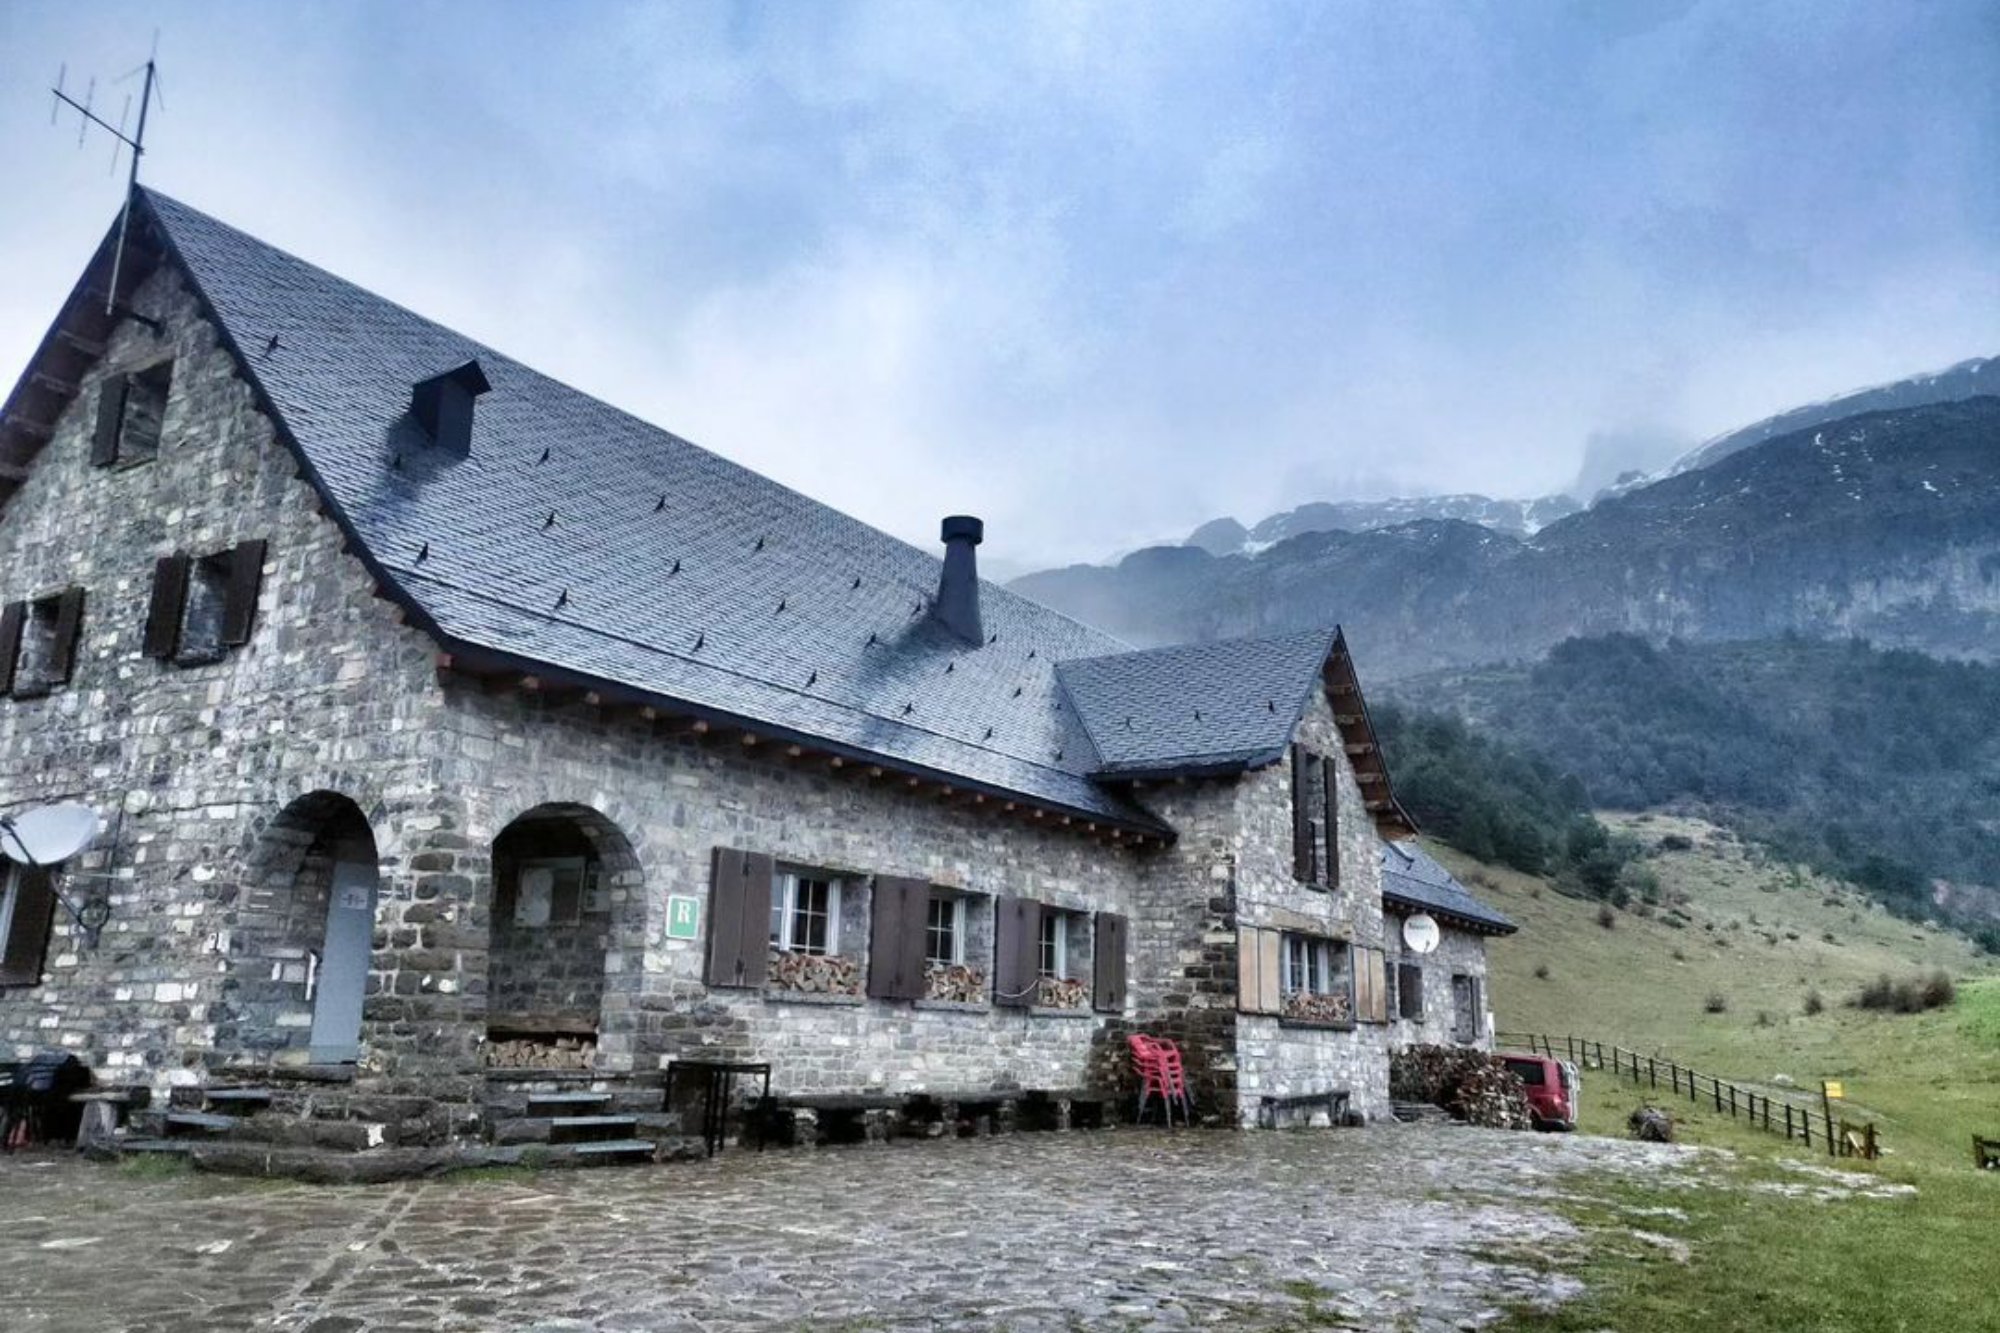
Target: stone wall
1277, 1056
1459, 952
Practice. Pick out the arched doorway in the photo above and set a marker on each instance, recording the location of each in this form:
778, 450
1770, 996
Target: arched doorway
562, 874
306, 930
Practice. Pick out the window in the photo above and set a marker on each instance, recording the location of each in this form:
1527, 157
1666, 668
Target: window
1410, 991
1468, 1006
204, 606
944, 931
130, 411
26, 906
1308, 966
805, 914
1054, 957
552, 890
38, 643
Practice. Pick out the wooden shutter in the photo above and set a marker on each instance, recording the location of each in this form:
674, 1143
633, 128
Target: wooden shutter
1330, 770
163, 615
69, 625
1107, 971
1017, 942
246, 575
1302, 830
110, 417
739, 917
11, 619
1410, 991
28, 932
1259, 979
1364, 979
1378, 978
896, 938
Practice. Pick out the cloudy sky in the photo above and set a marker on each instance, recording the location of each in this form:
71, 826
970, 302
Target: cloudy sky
1097, 272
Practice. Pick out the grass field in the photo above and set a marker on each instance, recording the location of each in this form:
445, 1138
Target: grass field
1762, 1252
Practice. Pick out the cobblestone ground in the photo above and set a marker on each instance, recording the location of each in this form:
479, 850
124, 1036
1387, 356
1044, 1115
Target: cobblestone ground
1386, 1228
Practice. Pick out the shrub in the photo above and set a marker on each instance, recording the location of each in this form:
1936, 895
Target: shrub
1541, 971
1716, 1003
1763, 1019
1676, 842
1814, 1004
1607, 916
1680, 955
1907, 997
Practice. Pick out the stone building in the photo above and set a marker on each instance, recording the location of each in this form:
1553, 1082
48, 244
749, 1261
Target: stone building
440, 717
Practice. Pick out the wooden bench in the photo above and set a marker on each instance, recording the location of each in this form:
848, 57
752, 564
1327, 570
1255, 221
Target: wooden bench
1986, 1153
1333, 1099
104, 1109
806, 1120
974, 1115
1063, 1109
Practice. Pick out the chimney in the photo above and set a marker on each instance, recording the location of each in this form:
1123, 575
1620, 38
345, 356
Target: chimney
442, 405
958, 589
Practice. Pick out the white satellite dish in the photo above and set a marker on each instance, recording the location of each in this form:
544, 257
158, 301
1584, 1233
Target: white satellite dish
1421, 934
48, 835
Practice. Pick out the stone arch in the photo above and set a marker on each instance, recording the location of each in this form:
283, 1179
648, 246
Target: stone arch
566, 939
311, 865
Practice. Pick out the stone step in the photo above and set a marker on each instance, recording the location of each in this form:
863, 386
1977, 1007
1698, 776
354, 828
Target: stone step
590, 1128
615, 1149
540, 1103
289, 1131
206, 1121
172, 1147
247, 1098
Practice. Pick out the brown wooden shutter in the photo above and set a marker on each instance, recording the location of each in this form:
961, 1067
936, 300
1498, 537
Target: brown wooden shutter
1259, 979
246, 576
896, 938
1107, 970
110, 417
739, 917
69, 626
1378, 977
1017, 942
1410, 991
1330, 770
163, 615
12, 617
1364, 977
1302, 831
28, 932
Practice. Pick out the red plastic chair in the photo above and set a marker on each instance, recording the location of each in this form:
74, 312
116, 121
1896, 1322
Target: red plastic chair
1158, 1065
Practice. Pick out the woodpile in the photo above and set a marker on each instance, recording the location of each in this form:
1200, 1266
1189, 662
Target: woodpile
1061, 993
1475, 1087
1335, 1008
814, 973
954, 982
1651, 1124
541, 1053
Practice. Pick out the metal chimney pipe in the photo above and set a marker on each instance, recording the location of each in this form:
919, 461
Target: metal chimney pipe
958, 588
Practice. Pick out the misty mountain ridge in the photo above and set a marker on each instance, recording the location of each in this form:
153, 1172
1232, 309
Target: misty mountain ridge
1607, 470
1884, 525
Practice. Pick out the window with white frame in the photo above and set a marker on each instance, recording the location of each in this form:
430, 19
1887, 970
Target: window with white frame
944, 931
805, 913
1308, 966
1054, 959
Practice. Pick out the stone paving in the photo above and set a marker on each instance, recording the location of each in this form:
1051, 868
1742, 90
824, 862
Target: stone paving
1386, 1228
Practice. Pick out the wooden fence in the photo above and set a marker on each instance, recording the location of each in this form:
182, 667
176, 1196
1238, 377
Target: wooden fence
1816, 1125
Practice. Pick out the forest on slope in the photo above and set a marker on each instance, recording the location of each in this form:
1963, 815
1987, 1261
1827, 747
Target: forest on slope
1879, 767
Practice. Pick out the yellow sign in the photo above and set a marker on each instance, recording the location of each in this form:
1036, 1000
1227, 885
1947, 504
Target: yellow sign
1833, 1089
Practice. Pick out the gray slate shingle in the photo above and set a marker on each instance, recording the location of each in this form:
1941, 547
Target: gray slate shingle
1413, 878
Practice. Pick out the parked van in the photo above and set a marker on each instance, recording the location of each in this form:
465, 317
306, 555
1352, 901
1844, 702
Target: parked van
1552, 1088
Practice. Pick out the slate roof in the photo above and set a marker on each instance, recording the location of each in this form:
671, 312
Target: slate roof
1199, 707
579, 544
1412, 878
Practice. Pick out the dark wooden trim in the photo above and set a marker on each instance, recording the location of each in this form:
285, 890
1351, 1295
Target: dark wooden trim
163, 613
69, 628
246, 575
11, 619
110, 419
28, 932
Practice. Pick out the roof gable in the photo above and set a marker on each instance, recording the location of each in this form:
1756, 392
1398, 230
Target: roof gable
1413, 878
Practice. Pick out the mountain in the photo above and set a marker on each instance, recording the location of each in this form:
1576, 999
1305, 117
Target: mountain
1517, 518
1882, 768
1884, 526
1967, 379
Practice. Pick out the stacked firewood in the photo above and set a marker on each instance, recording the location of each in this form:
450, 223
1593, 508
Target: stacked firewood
541, 1053
814, 973
955, 981
1472, 1085
1061, 993
1332, 1008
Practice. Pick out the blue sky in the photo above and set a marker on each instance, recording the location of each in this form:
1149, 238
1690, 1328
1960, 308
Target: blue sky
1097, 272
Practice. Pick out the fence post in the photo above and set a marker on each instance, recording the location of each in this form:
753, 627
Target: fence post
1788, 1120
1716, 1084
1653, 1071
1570, 1042
1732, 1101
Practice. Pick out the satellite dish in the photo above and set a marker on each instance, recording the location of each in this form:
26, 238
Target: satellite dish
48, 835
1421, 934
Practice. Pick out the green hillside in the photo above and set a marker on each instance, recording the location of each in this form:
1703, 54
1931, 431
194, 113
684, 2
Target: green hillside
1880, 767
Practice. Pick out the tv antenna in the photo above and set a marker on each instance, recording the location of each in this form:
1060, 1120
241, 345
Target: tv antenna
149, 93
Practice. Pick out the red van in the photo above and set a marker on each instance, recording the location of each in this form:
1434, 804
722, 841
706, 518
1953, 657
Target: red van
1552, 1088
